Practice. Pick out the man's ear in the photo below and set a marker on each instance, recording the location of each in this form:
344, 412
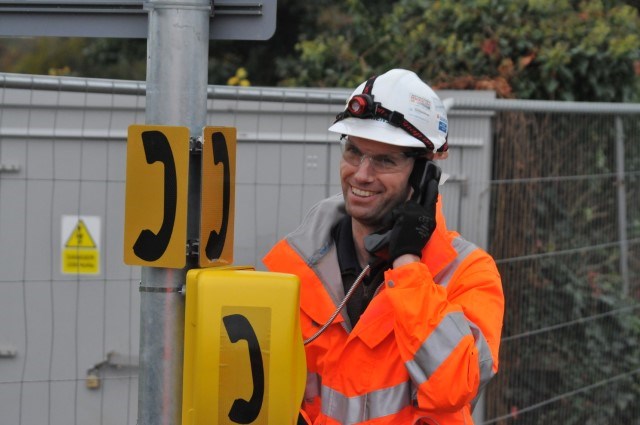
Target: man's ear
441, 155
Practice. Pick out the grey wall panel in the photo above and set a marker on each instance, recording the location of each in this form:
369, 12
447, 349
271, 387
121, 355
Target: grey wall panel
62, 402
115, 398
116, 161
121, 317
245, 224
13, 151
40, 154
89, 406
67, 158
10, 396
64, 358
451, 194
38, 231
314, 164
37, 331
93, 163
246, 163
13, 200
91, 316
475, 197
32, 395
113, 241
12, 336
267, 218
269, 164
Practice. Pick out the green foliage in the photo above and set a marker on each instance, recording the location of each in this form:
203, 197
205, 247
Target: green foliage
540, 49
95, 57
264, 60
343, 49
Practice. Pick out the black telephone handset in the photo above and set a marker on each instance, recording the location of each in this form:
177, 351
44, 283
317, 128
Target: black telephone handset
424, 179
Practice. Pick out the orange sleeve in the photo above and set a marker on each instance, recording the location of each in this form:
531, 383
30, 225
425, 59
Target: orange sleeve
448, 337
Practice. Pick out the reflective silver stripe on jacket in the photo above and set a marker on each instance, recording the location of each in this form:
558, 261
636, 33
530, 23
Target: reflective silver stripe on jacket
463, 247
373, 405
438, 346
430, 362
312, 388
485, 359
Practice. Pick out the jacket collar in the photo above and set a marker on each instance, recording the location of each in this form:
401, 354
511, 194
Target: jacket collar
439, 252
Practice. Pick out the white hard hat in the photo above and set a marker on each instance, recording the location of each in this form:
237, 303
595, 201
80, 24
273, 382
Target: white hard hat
396, 108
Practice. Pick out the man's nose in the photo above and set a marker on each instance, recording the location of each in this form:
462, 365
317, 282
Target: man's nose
365, 168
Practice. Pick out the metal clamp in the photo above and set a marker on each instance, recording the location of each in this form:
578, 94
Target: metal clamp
195, 144
113, 360
193, 247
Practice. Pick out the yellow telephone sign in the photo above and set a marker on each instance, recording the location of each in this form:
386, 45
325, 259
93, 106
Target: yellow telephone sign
244, 360
218, 196
155, 227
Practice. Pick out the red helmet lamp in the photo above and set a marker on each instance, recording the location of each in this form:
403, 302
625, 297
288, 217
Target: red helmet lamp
361, 106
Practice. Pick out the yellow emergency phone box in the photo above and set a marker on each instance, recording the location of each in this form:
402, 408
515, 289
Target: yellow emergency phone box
244, 360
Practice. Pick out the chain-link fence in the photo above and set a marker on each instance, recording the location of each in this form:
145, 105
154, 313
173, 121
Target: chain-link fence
565, 230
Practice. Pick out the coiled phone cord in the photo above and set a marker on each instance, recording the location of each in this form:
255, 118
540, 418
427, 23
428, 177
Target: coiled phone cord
341, 305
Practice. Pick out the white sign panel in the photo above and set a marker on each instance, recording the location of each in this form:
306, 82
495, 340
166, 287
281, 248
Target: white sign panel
230, 19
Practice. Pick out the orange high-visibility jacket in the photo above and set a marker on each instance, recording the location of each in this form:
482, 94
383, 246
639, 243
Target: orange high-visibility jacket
423, 348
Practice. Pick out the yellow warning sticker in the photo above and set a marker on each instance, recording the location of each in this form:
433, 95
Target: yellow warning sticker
80, 250
80, 237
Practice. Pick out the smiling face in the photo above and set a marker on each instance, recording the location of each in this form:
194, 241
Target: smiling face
370, 195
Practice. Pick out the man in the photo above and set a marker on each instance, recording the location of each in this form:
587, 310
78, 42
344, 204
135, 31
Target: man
420, 333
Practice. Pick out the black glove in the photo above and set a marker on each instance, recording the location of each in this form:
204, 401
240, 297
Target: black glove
412, 229
411, 224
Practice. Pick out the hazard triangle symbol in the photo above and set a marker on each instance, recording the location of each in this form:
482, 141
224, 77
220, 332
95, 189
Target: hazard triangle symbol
80, 237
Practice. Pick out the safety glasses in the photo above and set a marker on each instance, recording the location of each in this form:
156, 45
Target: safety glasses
380, 163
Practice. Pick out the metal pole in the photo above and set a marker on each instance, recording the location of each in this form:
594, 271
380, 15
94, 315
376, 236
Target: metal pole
176, 94
622, 207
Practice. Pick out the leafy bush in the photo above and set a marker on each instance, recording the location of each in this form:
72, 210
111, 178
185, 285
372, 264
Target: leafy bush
534, 49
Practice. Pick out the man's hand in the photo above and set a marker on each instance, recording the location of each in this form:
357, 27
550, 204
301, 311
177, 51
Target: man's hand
412, 228
411, 224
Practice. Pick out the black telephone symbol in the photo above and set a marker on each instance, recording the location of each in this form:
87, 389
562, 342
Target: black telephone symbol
243, 411
150, 246
215, 241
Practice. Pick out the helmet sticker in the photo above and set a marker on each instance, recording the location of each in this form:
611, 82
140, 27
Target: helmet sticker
442, 125
421, 101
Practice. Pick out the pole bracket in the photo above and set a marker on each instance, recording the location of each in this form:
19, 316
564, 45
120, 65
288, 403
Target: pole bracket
193, 247
195, 144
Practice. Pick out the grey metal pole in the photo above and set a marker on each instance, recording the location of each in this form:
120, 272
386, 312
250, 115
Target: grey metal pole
622, 206
176, 94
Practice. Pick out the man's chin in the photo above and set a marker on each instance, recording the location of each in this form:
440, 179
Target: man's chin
367, 220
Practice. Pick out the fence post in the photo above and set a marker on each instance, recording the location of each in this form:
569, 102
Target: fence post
622, 206
176, 94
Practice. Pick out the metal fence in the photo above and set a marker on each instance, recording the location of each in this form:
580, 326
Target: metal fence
550, 189
565, 227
